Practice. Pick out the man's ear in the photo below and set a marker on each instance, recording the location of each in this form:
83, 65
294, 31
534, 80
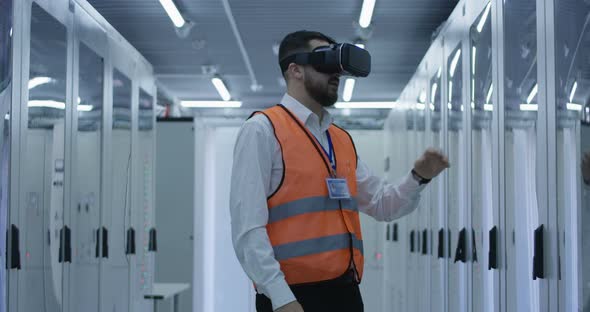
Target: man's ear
296, 71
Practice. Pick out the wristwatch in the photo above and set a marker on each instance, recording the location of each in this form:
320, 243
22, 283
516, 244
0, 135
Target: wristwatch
421, 180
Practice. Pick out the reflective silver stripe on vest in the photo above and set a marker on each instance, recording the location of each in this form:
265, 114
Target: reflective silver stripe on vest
307, 205
316, 246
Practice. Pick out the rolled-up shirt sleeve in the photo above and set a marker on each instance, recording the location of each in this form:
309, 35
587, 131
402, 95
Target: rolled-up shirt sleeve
385, 201
250, 181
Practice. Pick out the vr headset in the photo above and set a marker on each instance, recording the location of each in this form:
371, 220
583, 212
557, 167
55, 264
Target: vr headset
345, 59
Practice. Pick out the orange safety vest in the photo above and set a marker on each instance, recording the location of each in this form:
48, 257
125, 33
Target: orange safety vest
314, 238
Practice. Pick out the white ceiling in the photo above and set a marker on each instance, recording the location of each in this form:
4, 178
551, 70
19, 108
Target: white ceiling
400, 36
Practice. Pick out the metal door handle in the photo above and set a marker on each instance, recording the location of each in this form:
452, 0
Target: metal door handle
130, 248
425, 242
538, 260
493, 255
14, 248
153, 243
441, 243
460, 253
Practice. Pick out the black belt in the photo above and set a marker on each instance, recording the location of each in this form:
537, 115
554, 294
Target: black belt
346, 279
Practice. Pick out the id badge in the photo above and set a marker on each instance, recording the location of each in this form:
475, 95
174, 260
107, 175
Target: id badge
338, 188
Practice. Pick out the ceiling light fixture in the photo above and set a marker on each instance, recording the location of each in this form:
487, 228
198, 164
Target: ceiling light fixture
529, 107
533, 93
484, 18
211, 104
57, 105
473, 59
367, 13
433, 92
38, 81
574, 107
348, 89
366, 105
454, 63
173, 13
450, 91
221, 88
490, 92
573, 92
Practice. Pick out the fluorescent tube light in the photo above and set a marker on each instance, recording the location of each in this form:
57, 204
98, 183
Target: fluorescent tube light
473, 59
211, 104
221, 88
574, 88
173, 13
439, 72
490, 91
47, 104
367, 13
420, 106
529, 107
432, 107
488, 107
575, 107
57, 105
38, 81
484, 18
450, 106
371, 105
433, 92
348, 89
422, 97
454, 63
450, 91
533, 93
85, 108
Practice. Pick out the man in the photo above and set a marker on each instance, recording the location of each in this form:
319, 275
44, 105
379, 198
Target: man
297, 188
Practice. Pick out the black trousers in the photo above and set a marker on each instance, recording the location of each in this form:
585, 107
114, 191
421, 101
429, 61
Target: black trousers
327, 297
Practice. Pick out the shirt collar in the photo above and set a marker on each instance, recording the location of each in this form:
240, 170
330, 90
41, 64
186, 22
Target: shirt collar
306, 115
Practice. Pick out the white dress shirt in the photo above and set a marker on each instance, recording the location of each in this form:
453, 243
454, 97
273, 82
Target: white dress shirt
257, 172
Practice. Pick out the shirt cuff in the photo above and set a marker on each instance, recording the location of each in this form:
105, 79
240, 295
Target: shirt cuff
410, 184
279, 293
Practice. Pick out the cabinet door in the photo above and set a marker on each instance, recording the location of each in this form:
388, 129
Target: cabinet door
523, 153
572, 47
46, 238
484, 214
5, 137
87, 197
146, 231
456, 182
436, 202
117, 215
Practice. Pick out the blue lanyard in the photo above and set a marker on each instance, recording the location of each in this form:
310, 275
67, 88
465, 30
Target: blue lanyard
331, 153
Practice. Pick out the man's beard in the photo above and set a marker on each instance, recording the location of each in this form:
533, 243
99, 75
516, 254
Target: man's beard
321, 93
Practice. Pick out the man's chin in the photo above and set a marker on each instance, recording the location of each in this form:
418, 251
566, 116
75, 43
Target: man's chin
330, 103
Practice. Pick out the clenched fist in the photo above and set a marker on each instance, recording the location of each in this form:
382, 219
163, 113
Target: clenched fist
431, 163
291, 307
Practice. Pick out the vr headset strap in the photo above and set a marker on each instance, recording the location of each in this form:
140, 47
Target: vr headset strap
310, 58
